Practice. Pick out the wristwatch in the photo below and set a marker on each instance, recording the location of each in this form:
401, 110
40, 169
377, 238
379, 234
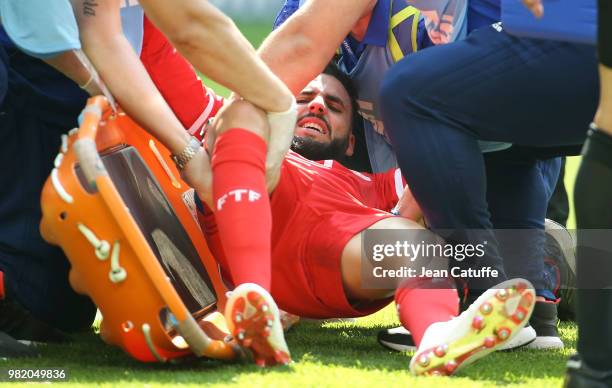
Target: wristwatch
187, 154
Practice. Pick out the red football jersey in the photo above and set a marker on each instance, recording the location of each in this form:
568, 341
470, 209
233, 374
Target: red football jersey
334, 187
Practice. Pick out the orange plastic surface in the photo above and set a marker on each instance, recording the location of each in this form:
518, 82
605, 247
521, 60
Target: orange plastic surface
128, 305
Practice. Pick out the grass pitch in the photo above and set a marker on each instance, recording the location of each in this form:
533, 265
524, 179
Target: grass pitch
325, 355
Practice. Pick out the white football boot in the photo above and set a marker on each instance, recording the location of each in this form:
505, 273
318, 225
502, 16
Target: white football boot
254, 321
493, 320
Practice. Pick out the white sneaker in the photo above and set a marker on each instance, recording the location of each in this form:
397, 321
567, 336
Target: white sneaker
524, 338
493, 320
254, 320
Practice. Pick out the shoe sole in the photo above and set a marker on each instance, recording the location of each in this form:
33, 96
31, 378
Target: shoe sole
501, 314
254, 322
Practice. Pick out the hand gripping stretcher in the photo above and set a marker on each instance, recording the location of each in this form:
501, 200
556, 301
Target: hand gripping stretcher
117, 206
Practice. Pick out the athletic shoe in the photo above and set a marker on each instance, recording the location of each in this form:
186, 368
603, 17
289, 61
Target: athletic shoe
254, 320
580, 375
11, 348
544, 321
494, 319
400, 339
397, 338
560, 257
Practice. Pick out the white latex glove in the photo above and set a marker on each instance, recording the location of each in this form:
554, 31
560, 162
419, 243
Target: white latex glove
282, 127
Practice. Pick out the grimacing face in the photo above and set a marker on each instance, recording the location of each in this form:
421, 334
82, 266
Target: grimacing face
323, 129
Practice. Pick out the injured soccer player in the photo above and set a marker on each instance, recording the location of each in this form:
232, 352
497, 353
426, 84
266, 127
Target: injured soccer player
299, 247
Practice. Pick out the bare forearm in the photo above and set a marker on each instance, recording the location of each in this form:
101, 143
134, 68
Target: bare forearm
298, 50
215, 46
294, 57
129, 82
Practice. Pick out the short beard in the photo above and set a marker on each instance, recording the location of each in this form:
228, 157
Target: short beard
314, 150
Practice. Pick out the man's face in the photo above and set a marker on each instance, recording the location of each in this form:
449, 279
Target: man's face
323, 129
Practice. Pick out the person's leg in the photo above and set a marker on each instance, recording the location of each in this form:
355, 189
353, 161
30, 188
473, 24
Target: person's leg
436, 104
420, 302
240, 201
241, 207
426, 306
518, 195
9, 347
592, 193
558, 206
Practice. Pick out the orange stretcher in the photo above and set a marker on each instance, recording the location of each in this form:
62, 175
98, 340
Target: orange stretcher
116, 205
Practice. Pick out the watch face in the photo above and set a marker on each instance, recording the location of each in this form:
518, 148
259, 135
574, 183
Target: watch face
189, 152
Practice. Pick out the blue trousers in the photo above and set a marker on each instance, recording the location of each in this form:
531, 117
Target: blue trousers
37, 105
438, 102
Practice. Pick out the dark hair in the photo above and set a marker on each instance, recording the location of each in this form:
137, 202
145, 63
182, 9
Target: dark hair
333, 70
360, 160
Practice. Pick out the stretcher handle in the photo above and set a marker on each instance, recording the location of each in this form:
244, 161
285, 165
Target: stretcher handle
203, 346
85, 146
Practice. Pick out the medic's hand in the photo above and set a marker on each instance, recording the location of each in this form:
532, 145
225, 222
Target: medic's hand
282, 127
535, 6
198, 174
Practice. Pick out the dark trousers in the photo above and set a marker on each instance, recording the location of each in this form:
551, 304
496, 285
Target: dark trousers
37, 105
438, 102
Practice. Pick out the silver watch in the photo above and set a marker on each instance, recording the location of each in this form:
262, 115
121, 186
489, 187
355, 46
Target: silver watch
187, 154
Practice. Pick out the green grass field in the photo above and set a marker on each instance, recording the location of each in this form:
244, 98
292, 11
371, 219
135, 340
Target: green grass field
325, 355
331, 354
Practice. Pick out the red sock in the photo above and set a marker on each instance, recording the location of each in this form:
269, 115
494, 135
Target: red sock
2, 285
242, 205
213, 240
421, 302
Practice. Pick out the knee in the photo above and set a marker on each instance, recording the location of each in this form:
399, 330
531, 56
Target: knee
400, 84
244, 115
400, 94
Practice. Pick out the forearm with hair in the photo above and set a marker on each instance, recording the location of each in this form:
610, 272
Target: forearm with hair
294, 57
214, 45
300, 49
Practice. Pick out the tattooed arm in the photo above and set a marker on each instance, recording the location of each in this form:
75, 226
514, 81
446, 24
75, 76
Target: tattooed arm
111, 54
104, 43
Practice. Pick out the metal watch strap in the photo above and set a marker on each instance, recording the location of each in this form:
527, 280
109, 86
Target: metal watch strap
187, 154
